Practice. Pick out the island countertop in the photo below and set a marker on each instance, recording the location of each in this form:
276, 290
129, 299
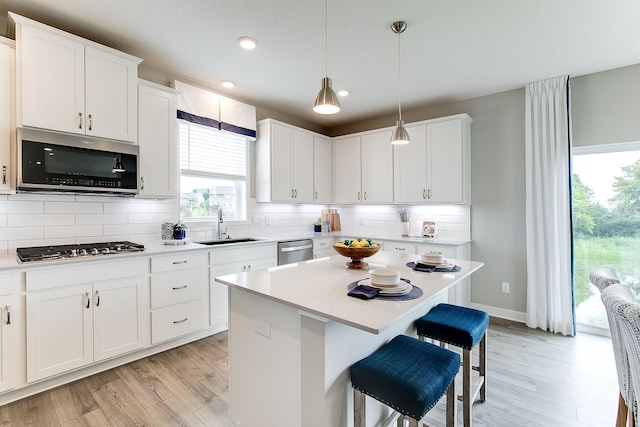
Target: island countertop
319, 288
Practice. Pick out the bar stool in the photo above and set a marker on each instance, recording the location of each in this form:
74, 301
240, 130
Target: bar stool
407, 375
462, 327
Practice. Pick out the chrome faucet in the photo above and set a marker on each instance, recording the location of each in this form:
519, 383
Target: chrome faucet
220, 222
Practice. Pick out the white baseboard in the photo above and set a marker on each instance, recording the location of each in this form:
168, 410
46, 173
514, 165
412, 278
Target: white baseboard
516, 316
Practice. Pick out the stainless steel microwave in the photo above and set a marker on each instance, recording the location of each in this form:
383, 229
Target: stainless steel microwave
56, 162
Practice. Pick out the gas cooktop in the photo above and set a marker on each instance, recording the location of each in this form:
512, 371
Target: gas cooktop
85, 250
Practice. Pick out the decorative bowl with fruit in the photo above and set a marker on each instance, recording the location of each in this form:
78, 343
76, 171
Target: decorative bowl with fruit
357, 249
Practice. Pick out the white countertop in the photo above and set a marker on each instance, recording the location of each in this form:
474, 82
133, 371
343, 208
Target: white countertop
319, 287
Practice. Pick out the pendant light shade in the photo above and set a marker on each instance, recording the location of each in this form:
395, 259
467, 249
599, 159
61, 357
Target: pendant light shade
400, 135
327, 100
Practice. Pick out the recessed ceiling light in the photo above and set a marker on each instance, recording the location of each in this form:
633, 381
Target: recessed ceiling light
343, 92
247, 42
228, 84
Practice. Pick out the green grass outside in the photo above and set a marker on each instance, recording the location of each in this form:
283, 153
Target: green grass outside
620, 253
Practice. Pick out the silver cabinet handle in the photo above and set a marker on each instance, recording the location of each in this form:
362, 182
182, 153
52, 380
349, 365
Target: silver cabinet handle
296, 248
296, 193
177, 288
142, 183
8, 309
88, 299
358, 195
97, 298
180, 262
292, 193
424, 194
249, 267
80, 117
90, 122
180, 321
315, 195
4, 174
428, 193
365, 195
400, 249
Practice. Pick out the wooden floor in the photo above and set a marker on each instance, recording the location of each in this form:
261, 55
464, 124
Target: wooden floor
535, 379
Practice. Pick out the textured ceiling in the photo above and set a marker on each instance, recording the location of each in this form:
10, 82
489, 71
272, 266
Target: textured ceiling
451, 50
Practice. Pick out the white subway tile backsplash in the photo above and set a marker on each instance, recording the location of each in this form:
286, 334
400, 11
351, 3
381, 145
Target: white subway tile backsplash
21, 233
34, 220
101, 219
125, 229
21, 206
73, 232
72, 207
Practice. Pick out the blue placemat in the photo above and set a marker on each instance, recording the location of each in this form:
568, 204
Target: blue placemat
414, 293
412, 265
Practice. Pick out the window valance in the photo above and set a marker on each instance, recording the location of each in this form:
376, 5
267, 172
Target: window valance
207, 108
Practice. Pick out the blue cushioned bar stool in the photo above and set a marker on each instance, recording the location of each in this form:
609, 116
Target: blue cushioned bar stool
407, 375
463, 327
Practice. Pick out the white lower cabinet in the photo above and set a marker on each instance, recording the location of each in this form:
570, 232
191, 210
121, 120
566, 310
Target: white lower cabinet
179, 295
74, 320
10, 327
228, 260
322, 247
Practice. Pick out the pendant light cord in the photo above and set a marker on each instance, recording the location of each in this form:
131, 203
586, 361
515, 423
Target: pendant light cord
326, 37
399, 79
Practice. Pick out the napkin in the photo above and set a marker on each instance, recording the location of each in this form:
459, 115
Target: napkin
363, 292
428, 268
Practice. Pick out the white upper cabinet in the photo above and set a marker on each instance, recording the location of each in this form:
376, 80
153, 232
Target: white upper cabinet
69, 84
363, 168
377, 167
435, 166
284, 163
7, 102
158, 140
347, 186
322, 170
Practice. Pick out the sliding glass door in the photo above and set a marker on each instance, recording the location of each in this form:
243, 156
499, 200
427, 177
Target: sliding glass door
606, 224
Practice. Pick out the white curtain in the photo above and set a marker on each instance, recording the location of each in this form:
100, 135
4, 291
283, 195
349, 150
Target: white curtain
548, 206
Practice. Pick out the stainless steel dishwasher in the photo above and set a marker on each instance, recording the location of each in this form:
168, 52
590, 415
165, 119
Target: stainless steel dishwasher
294, 251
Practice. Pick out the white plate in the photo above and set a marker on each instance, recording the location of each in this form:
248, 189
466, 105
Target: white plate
401, 289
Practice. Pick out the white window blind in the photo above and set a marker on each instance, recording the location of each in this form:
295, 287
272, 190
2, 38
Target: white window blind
210, 152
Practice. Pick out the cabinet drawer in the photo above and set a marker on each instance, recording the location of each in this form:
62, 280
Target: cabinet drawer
180, 319
174, 287
178, 261
406, 248
230, 255
322, 243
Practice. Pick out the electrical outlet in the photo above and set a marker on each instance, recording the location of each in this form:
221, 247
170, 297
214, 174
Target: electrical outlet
257, 219
263, 328
506, 287
267, 220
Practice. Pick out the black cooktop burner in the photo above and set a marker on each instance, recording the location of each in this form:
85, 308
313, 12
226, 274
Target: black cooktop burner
46, 253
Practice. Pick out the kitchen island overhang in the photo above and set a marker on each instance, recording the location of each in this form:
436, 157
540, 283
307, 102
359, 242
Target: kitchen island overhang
294, 333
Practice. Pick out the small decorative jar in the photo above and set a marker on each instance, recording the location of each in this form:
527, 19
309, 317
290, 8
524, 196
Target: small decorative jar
179, 232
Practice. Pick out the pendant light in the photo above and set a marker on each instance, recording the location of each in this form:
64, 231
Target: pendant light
326, 101
400, 135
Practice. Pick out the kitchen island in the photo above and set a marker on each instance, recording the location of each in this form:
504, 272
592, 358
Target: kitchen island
294, 333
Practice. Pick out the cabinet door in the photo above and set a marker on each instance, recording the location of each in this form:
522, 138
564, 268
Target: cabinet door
111, 95
120, 317
410, 171
347, 170
9, 340
219, 293
7, 100
302, 166
51, 81
281, 163
445, 174
322, 170
377, 167
59, 331
158, 142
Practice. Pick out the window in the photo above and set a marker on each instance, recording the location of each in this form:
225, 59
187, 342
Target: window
213, 173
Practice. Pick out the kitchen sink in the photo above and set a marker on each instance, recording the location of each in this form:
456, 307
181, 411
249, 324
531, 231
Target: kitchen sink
226, 241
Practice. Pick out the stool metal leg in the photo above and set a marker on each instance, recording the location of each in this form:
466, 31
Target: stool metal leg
482, 364
467, 395
359, 408
452, 400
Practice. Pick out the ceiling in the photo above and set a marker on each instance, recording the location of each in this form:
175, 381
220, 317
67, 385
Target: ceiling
451, 50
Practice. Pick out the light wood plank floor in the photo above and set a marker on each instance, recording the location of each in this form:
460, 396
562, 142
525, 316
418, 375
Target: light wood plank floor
535, 379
